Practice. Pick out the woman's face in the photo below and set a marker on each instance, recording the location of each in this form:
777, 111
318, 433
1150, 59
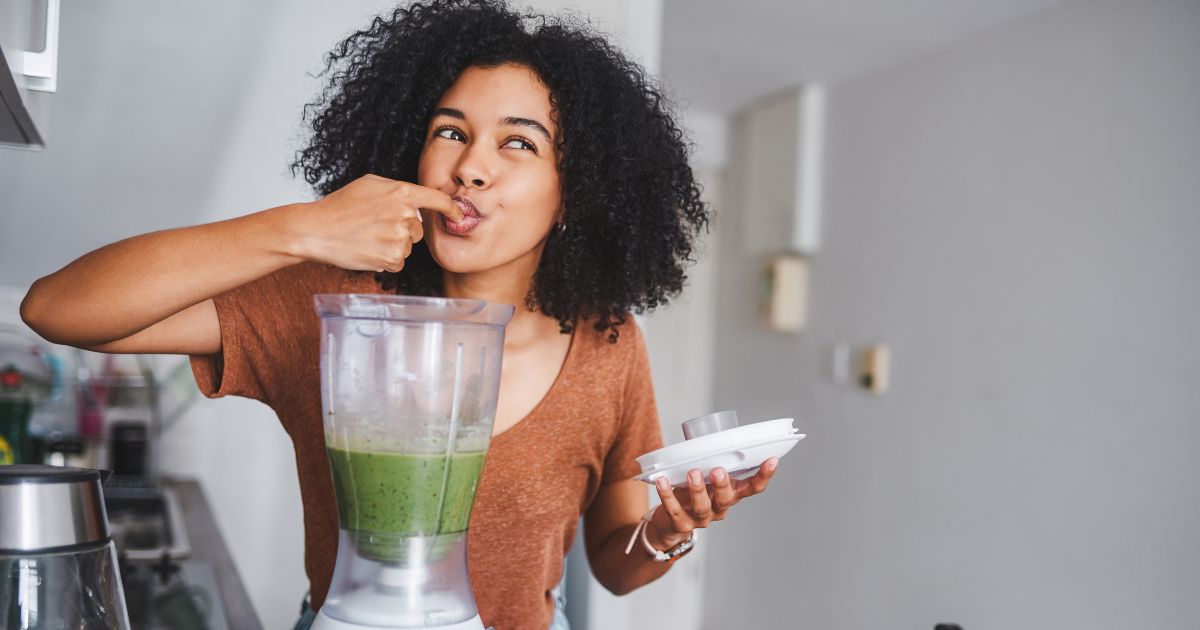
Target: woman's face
490, 146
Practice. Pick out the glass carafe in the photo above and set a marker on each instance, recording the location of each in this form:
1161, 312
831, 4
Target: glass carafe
408, 389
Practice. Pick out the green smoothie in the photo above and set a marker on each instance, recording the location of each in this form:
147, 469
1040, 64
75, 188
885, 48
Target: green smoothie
386, 497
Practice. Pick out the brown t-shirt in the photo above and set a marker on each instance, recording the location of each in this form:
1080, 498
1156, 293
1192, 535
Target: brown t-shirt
539, 477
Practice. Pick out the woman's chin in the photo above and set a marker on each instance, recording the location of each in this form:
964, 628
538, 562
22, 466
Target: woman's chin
454, 260
461, 269
480, 254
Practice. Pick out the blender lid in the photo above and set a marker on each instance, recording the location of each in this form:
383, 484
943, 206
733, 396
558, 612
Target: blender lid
50, 508
740, 451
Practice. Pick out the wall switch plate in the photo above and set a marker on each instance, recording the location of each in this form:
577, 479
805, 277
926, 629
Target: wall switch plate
784, 300
874, 371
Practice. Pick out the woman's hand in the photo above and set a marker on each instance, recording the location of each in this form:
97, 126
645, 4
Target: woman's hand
369, 224
699, 504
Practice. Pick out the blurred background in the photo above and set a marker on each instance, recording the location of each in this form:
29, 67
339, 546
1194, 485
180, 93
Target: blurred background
953, 240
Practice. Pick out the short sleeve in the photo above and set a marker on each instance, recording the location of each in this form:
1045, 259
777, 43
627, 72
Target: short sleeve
262, 331
639, 431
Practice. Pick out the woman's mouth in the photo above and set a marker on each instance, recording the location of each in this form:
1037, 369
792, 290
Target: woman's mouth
471, 218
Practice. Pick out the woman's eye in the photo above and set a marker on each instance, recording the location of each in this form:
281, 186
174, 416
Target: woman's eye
520, 143
450, 133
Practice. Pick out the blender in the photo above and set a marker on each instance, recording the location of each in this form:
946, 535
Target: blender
408, 391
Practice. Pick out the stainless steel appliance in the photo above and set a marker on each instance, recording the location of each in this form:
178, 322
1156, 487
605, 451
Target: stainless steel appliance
58, 564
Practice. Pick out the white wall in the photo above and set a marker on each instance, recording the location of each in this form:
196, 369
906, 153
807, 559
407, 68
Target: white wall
1017, 217
145, 94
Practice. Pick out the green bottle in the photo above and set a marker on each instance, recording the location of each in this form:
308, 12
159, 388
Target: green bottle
16, 408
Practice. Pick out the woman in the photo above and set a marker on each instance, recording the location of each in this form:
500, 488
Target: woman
466, 151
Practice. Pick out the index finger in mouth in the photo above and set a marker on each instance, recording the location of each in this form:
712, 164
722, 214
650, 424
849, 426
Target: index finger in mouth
434, 201
455, 214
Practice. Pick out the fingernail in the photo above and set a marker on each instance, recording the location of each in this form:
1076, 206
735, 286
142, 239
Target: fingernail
661, 482
695, 477
771, 464
718, 475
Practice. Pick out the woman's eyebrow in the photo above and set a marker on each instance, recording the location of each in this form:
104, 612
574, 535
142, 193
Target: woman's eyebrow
508, 120
451, 112
528, 122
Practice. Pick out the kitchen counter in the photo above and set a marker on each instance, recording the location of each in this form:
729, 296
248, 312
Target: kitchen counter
208, 546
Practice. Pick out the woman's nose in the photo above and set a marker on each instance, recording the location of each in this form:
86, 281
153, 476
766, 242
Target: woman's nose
472, 171
470, 179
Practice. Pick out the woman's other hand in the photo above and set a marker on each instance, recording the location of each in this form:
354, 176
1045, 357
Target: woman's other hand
698, 505
369, 224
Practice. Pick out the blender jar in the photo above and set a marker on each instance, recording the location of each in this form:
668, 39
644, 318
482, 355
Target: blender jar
408, 389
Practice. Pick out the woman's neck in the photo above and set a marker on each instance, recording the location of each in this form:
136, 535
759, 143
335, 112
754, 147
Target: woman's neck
489, 286
504, 286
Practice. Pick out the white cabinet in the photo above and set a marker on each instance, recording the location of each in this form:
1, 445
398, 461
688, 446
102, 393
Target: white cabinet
780, 140
29, 60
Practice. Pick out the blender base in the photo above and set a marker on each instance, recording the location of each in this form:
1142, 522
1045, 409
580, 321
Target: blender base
328, 623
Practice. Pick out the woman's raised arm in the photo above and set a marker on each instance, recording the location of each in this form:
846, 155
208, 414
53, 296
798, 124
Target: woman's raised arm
153, 293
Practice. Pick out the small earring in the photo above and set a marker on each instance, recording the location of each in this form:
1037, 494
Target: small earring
562, 227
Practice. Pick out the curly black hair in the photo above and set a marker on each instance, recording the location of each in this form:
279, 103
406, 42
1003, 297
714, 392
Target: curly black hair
631, 205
